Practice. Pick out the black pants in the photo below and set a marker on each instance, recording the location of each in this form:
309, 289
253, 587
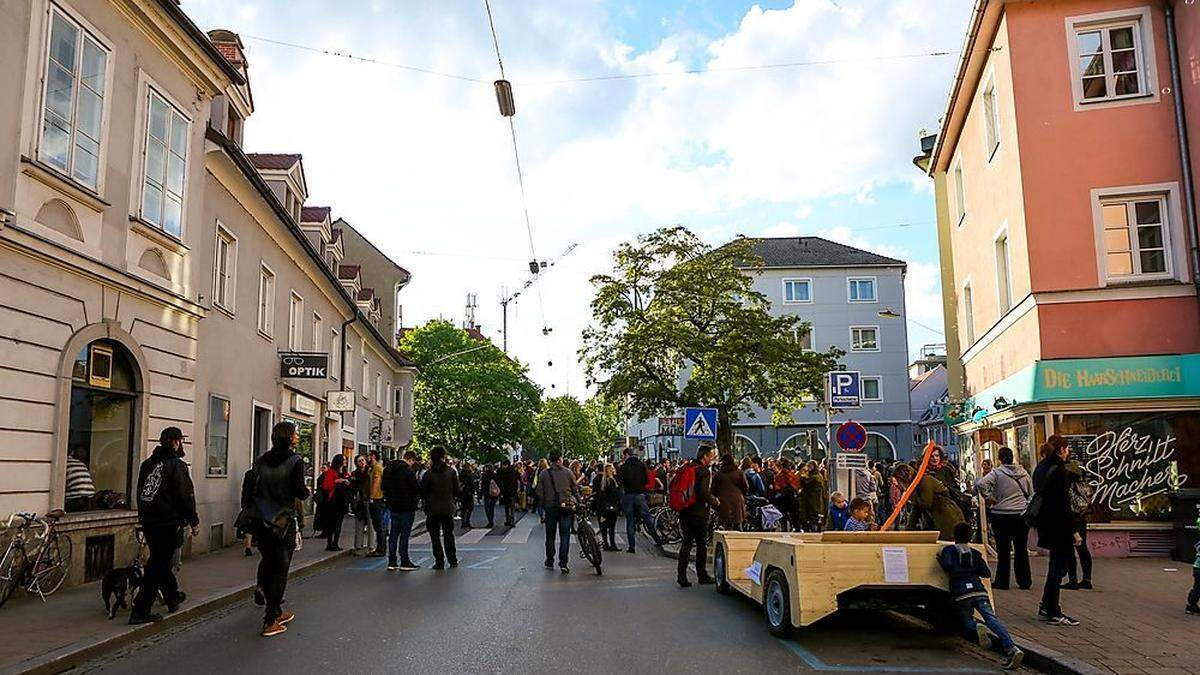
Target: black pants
1194, 595
489, 508
275, 560
1011, 533
466, 507
608, 529
441, 537
159, 578
1060, 559
1082, 553
376, 512
695, 532
509, 504
333, 528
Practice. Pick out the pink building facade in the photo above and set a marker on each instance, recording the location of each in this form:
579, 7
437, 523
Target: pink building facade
1068, 246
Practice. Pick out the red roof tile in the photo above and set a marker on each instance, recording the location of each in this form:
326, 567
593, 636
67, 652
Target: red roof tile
314, 214
271, 161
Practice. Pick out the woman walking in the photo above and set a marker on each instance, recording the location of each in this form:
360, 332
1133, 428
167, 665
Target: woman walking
1055, 524
360, 500
335, 485
606, 497
729, 487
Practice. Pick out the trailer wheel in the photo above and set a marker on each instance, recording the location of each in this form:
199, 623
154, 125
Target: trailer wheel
720, 571
777, 605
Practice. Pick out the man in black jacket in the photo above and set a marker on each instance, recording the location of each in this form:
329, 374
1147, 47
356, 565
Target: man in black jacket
466, 480
401, 492
510, 484
166, 503
1055, 525
275, 491
632, 477
693, 520
440, 490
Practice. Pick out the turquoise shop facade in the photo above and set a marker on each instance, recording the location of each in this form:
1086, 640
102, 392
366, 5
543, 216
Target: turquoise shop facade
1133, 424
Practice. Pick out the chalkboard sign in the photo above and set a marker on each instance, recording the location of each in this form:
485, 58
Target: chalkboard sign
1079, 444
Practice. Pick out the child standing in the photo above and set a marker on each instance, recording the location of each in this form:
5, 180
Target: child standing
860, 516
839, 512
966, 567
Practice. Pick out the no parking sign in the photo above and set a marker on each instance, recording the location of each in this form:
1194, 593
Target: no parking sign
852, 436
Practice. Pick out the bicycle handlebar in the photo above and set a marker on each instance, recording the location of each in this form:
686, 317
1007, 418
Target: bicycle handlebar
30, 519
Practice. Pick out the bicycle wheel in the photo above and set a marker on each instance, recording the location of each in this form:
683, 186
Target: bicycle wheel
589, 547
12, 566
667, 527
52, 568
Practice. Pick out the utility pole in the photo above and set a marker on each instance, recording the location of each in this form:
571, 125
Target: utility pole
536, 269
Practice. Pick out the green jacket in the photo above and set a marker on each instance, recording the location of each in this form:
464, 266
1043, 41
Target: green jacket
932, 496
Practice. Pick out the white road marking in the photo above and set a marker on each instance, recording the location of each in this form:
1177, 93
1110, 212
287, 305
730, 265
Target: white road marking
472, 536
518, 535
420, 539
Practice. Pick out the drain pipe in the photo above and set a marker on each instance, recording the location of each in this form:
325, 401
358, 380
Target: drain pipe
1185, 157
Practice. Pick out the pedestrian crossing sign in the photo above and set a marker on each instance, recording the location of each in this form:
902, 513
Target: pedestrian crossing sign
700, 423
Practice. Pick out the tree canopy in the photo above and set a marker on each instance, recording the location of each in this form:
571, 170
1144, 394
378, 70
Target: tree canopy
562, 424
677, 323
469, 396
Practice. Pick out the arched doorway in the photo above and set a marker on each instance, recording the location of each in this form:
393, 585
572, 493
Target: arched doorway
105, 404
743, 446
879, 447
803, 446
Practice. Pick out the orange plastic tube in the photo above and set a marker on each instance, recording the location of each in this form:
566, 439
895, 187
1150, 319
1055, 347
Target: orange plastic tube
911, 487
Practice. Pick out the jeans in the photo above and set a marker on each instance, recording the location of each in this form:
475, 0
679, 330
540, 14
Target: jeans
362, 531
608, 529
376, 510
159, 578
1060, 558
1194, 594
966, 611
398, 534
441, 536
489, 508
275, 559
695, 533
636, 508
1081, 551
558, 523
1011, 533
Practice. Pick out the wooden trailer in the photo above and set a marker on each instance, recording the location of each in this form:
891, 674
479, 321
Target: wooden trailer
800, 578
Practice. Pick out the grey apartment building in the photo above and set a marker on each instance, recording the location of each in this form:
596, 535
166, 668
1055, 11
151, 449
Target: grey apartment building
854, 300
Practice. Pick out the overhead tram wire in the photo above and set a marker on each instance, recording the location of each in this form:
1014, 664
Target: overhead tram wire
362, 59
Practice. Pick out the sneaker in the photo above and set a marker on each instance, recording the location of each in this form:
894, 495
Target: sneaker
259, 598
453, 564
549, 564
439, 566
1070, 586
376, 554
285, 618
1013, 659
706, 581
137, 619
1085, 585
273, 628
409, 567
392, 567
1063, 620
1192, 609
981, 632
564, 569
683, 583
629, 550
1043, 612
173, 606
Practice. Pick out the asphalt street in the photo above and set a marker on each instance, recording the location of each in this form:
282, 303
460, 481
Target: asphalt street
501, 611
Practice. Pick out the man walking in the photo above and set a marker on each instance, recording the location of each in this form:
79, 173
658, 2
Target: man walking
166, 503
401, 492
693, 519
466, 481
557, 490
632, 477
510, 484
440, 488
376, 505
1054, 524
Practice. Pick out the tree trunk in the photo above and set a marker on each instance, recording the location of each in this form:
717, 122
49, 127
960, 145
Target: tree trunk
724, 431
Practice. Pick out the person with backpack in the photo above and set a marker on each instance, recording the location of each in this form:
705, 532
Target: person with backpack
691, 495
166, 503
560, 495
510, 484
491, 492
1008, 489
401, 493
272, 497
1080, 492
633, 477
1050, 511
966, 567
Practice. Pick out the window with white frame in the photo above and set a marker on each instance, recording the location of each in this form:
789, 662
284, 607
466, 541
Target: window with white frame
216, 437
318, 332
872, 388
72, 119
164, 165
1111, 56
335, 354
968, 315
266, 301
861, 289
388, 399
991, 119
366, 378
295, 319
797, 291
1136, 237
1003, 272
803, 337
379, 389
399, 404
224, 268
864, 338
960, 193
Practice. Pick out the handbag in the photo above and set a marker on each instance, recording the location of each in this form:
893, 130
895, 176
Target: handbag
566, 505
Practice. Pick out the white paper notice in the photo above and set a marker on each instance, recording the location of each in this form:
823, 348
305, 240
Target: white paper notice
895, 564
754, 572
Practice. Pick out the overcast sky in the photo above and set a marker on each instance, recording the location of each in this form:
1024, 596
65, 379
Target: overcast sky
422, 164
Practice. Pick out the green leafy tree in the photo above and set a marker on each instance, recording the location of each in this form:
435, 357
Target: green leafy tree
608, 419
677, 323
563, 424
469, 396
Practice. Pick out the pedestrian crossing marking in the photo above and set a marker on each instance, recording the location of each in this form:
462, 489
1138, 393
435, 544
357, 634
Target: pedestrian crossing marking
518, 535
420, 539
472, 536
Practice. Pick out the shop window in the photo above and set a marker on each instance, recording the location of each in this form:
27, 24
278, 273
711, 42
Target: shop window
100, 439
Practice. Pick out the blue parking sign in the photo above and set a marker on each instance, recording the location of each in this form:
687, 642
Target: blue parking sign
700, 423
845, 389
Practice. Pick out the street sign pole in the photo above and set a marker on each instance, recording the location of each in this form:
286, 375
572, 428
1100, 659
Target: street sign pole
830, 450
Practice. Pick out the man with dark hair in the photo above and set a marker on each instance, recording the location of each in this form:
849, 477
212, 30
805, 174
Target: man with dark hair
401, 492
632, 477
510, 484
439, 487
166, 502
376, 504
557, 490
693, 520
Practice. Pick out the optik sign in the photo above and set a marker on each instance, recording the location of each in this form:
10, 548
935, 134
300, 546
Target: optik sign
302, 366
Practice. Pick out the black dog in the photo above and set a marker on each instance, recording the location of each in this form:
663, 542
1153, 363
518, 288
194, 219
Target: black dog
118, 585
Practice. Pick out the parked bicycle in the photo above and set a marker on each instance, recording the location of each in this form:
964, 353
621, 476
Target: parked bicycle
40, 569
589, 544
